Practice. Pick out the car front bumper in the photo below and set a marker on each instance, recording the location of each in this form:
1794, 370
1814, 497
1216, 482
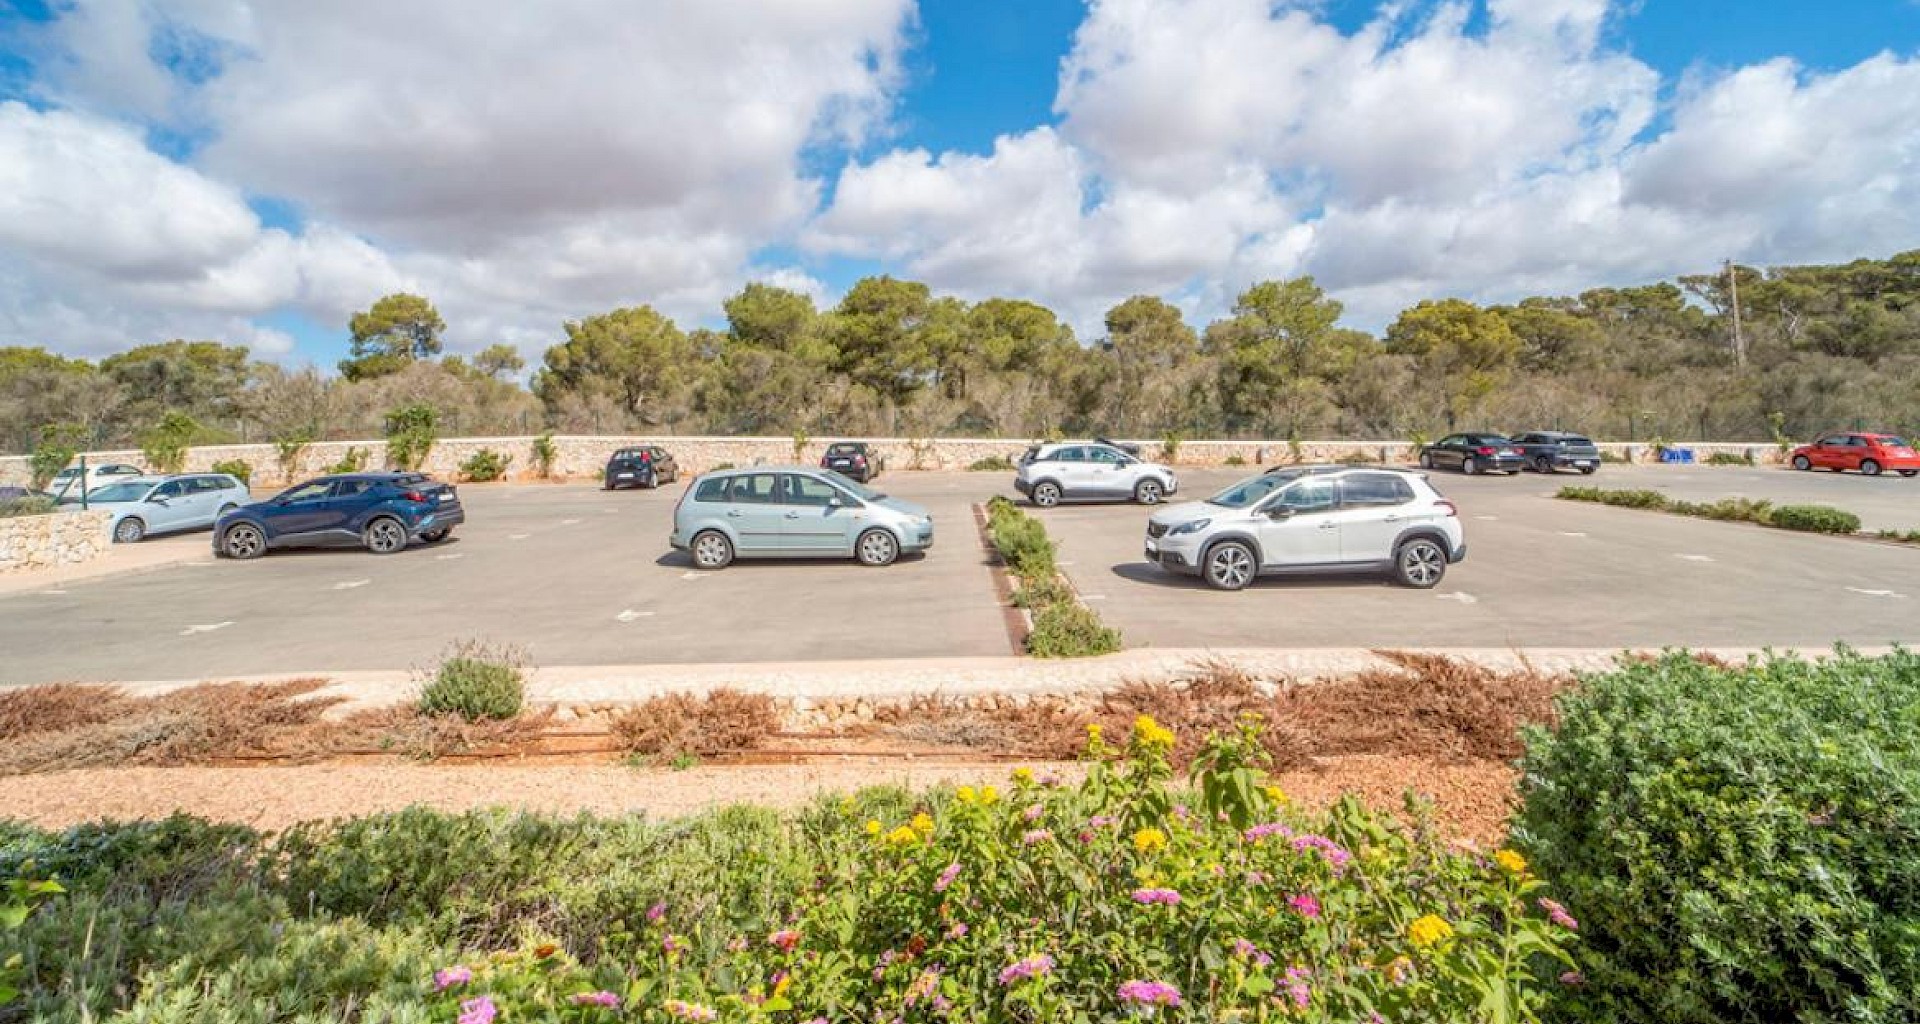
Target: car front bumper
1022, 485
1173, 553
916, 538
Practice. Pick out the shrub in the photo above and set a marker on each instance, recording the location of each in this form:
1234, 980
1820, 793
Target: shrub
800, 440
476, 682
165, 444
1069, 629
1737, 842
991, 464
1815, 519
411, 432
352, 461
1038, 593
1170, 446
1235, 460
1730, 459
58, 445
1356, 458
287, 451
32, 505
719, 722
484, 465
239, 469
544, 453
1022, 541
1623, 499
1736, 510
720, 466
1908, 537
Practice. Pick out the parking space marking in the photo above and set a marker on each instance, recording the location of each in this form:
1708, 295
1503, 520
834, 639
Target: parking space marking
1875, 593
518, 536
350, 584
1695, 558
1462, 597
448, 558
1488, 519
191, 630
1093, 597
693, 575
568, 522
53, 591
629, 615
1571, 533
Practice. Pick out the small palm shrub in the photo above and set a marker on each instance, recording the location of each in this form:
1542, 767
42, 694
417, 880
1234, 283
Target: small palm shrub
1815, 519
239, 469
476, 682
411, 433
32, 505
1738, 843
484, 465
1235, 460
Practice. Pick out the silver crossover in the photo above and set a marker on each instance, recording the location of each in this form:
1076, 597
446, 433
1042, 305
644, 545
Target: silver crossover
794, 512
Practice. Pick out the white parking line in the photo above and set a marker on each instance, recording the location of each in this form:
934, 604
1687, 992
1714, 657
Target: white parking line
53, 591
1875, 593
1093, 597
629, 615
350, 584
1488, 519
448, 558
693, 575
191, 630
1695, 558
568, 522
1463, 598
1575, 533
518, 536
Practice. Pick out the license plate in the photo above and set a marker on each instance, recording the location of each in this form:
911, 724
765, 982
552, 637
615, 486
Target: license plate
841, 464
444, 496
1583, 462
621, 476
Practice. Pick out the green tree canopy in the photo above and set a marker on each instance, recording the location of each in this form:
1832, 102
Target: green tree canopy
397, 330
201, 378
634, 356
1466, 350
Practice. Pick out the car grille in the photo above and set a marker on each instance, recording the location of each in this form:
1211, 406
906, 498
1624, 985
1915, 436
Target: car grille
1156, 530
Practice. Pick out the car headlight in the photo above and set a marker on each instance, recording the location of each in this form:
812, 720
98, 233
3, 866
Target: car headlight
1193, 527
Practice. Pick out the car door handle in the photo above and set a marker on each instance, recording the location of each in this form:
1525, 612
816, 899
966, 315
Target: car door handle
734, 513
793, 515
1390, 519
1329, 526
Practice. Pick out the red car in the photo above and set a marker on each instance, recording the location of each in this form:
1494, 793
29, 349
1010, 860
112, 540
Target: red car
1871, 454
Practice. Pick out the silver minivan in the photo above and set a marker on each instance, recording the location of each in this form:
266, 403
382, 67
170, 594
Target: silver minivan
794, 512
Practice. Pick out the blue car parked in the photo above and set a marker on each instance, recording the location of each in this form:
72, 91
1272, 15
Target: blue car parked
381, 512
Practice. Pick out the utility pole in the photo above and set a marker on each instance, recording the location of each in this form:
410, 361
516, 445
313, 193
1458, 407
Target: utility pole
1739, 342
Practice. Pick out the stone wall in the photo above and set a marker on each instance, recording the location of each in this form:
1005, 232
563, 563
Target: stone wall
584, 456
54, 539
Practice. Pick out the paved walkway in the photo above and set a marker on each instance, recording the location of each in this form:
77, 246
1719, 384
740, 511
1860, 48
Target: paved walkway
156, 553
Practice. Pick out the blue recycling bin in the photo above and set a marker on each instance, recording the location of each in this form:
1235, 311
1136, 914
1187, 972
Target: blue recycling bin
1682, 455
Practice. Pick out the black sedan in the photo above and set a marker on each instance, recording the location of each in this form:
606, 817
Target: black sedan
647, 466
1473, 453
855, 459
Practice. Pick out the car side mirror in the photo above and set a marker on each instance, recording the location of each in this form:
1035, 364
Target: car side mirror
1280, 512
834, 503
157, 501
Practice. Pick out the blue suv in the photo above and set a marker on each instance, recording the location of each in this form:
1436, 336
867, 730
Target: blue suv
381, 512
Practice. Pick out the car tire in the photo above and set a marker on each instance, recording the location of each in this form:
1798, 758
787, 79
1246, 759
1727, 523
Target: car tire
876, 548
130, 530
1426, 460
1802, 463
1420, 563
436, 536
1543, 465
1229, 565
1148, 492
243, 541
384, 536
711, 551
1587, 470
1470, 466
1869, 467
1046, 494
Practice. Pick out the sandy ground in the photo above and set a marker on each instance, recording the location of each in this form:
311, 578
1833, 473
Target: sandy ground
1472, 796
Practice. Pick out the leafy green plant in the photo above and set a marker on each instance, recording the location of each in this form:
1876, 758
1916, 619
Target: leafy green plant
544, 454
1295, 453
287, 451
22, 895
1736, 841
476, 682
1356, 458
991, 464
32, 505
353, 460
239, 469
485, 465
1069, 629
1815, 519
1907, 537
55, 451
1040, 592
800, 440
165, 444
1733, 510
411, 433
1730, 459
1021, 540
1170, 446
1235, 460
720, 466
1777, 422
1622, 498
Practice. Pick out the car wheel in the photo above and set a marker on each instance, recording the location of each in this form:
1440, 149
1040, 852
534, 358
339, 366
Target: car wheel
1543, 465
1046, 495
384, 536
1470, 466
877, 547
1426, 461
1147, 492
436, 536
244, 541
712, 550
1869, 467
1420, 563
129, 531
1587, 470
1229, 566
1802, 463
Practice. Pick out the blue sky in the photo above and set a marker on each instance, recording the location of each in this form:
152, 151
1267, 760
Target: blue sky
1169, 172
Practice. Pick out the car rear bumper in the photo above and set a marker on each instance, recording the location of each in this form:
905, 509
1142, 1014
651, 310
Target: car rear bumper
439, 519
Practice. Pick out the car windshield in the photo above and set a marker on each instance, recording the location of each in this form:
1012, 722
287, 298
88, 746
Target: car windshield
120, 492
1249, 492
859, 490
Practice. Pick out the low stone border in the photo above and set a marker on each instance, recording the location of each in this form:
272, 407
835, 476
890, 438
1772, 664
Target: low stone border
54, 539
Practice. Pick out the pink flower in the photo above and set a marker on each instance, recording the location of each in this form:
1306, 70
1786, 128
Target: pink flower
1164, 897
1558, 915
689, 1011
656, 912
477, 1011
672, 946
1033, 813
1249, 951
1259, 832
602, 998
451, 976
1256, 878
1297, 986
958, 931
1099, 821
1573, 978
1305, 904
946, 877
1032, 967
737, 944
1150, 993
1037, 836
784, 940
1336, 855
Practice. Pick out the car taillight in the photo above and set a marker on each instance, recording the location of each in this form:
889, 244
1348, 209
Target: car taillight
859, 460
1483, 450
413, 496
1447, 506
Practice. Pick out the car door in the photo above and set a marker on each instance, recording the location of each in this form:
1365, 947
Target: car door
756, 513
816, 515
1300, 526
1826, 451
297, 513
197, 502
1373, 511
1069, 466
664, 466
1451, 451
167, 508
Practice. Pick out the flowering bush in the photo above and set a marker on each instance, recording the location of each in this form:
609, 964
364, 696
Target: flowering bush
1110, 900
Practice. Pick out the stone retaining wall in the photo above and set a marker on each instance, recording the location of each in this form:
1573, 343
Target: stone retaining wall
584, 456
54, 539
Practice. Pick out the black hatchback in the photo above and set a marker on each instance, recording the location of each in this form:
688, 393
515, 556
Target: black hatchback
856, 459
647, 466
1473, 453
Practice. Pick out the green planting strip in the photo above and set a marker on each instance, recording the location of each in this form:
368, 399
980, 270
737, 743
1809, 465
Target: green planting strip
1062, 626
1803, 518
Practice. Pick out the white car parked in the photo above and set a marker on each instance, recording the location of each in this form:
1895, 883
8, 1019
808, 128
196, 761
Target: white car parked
66, 485
149, 504
1312, 519
1052, 473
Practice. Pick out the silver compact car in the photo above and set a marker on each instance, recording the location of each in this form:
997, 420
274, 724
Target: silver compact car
1312, 519
1052, 473
145, 505
794, 512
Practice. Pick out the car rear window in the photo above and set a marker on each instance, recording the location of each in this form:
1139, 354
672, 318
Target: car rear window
1893, 442
843, 449
1374, 490
712, 489
1572, 439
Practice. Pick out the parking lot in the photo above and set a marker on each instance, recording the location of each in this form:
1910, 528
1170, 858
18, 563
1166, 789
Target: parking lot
577, 576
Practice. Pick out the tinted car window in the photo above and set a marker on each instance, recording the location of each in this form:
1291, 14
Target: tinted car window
1453, 439
805, 490
711, 490
1312, 495
843, 448
1068, 455
757, 489
119, 492
203, 484
1105, 455
170, 489
1374, 490
1249, 492
351, 488
309, 492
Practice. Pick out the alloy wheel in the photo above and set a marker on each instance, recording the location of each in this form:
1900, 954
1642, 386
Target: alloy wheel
1147, 493
877, 547
1422, 564
245, 541
711, 551
129, 531
385, 537
1230, 567
1870, 467
1046, 495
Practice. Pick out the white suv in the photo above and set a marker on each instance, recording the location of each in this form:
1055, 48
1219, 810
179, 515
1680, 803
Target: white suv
1051, 473
1312, 519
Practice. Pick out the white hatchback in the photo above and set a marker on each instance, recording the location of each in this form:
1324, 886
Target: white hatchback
1312, 519
1052, 473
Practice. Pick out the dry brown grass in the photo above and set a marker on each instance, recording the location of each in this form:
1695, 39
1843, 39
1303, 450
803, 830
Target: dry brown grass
52, 708
722, 721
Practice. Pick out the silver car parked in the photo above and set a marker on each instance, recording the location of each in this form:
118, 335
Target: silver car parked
794, 512
1052, 473
153, 504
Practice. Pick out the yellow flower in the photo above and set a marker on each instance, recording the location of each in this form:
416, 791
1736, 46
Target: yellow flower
1151, 734
988, 794
1093, 732
873, 827
780, 987
1149, 840
902, 836
1023, 776
1429, 930
964, 794
1511, 861
1278, 795
923, 823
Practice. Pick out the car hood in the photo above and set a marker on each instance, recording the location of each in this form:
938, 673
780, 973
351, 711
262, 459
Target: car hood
1187, 512
905, 508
